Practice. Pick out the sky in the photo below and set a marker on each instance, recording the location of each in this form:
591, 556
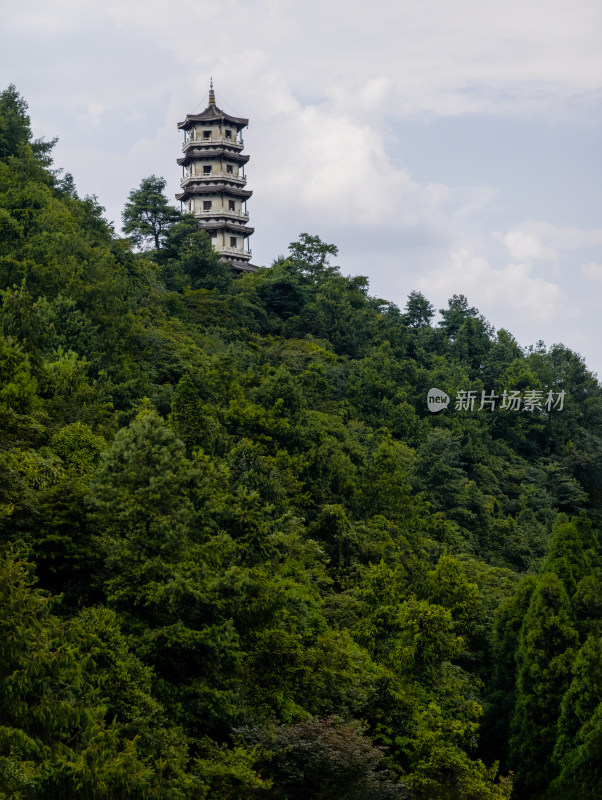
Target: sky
445, 146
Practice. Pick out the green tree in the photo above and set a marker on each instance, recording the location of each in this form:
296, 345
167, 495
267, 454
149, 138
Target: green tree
141, 502
17, 385
472, 342
55, 740
579, 743
318, 759
441, 768
500, 698
157, 574
570, 550
284, 290
456, 313
448, 586
311, 255
188, 258
147, 216
418, 312
15, 128
545, 653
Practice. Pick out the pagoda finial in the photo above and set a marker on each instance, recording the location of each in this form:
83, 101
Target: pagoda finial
211, 93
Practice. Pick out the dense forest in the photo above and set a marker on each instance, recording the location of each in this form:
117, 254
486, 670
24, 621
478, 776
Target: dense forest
239, 556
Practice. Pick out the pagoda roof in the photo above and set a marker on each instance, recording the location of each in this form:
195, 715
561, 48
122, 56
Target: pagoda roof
214, 188
217, 225
214, 152
212, 114
241, 266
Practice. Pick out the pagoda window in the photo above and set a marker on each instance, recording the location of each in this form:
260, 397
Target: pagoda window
207, 169
228, 134
207, 205
231, 205
233, 241
206, 134
213, 234
229, 169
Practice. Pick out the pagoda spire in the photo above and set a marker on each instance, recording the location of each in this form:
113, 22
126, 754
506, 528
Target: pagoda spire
211, 93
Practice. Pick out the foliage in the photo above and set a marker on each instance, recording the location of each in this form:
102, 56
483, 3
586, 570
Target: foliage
324, 758
147, 216
263, 568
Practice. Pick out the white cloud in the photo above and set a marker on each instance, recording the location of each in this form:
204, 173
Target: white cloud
323, 165
502, 293
402, 57
560, 238
322, 82
592, 270
526, 247
95, 110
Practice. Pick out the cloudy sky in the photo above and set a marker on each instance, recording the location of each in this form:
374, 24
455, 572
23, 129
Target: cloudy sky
447, 146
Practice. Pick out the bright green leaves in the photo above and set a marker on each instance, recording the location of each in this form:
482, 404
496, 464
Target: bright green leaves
56, 738
442, 769
78, 447
312, 256
448, 586
425, 640
17, 385
142, 505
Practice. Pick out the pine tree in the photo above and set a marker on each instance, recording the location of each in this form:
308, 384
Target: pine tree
578, 748
570, 550
141, 504
501, 694
418, 312
546, 650
15, 129
147, 216
157, 576
55, 740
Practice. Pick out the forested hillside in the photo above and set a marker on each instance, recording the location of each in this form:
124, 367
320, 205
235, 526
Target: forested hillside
239, 556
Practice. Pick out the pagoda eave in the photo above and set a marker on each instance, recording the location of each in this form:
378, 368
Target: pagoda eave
218, 225
199, 154
212, 114
216, 188
241, 266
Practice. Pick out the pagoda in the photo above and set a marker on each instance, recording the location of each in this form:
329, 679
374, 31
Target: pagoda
213, 181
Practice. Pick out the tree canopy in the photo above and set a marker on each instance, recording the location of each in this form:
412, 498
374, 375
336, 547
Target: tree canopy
147, 215
240, 558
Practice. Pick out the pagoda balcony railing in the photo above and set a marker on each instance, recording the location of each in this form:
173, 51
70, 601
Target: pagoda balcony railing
221, 214
213, 140
212, 176
234, 251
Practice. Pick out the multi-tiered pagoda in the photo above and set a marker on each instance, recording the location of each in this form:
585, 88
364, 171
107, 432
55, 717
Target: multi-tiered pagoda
213, 180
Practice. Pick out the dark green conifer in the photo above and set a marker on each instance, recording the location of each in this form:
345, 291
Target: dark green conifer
547, 645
